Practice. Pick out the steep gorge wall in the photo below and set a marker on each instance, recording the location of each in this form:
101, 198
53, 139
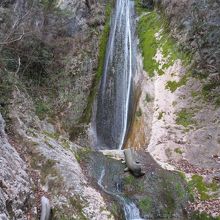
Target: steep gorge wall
57, 55
50, 52
195, 26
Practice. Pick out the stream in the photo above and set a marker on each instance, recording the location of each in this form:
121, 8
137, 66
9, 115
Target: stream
131, 211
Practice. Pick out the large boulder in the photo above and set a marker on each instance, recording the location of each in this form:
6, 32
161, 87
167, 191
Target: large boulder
133, 166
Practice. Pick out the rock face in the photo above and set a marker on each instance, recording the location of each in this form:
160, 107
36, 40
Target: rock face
195, 24
16, 193
133, 166
61, 43
53, 46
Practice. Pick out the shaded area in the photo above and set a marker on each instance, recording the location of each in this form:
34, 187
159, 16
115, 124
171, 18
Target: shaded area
158, 194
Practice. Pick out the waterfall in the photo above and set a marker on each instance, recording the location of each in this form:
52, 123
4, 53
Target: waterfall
130, 209
114, 98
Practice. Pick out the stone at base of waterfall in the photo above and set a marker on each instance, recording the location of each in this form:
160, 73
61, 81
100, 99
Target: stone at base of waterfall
133, 166
115, 154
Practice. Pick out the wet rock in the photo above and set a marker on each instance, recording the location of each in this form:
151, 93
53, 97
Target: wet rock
148, 4
133, 166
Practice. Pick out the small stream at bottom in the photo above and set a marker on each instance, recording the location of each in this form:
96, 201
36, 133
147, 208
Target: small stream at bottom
131, 211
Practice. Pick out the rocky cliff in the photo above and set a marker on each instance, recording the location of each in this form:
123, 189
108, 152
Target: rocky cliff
177, 116
52, 54
50, 51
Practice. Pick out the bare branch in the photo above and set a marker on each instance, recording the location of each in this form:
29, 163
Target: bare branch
14, 40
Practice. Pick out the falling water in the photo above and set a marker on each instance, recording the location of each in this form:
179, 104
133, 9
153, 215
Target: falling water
114, 98
130, 209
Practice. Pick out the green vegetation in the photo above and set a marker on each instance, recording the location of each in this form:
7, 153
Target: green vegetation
47, 142
170, 203
82, 154
209, 92
115, 209
178, 151
42, 109
104, 41
184, 118
145, 204
173, 85
133, 184
194, 94
139, 113
65, 143
49, 4
148, 98
160, 116
76, 202
53, 135
101, 59
203, 216
139, 8
150, 24
217, 102
202, 187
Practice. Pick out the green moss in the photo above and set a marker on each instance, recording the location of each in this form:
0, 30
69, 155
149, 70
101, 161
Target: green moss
202, 187
160, 116
217, 102
82, 154
66, 144
170, 203
148, 98
6, 89
209, 87
101, 59
115, 209
146, 204
194, 94
149, 24
139, 113
209, 93
53, 135
181, 192
203, 216
46, 141
77, 204
49, 4
104, 41
139, 7
184, 118
133, 185
173, 85
42, 109
178, 151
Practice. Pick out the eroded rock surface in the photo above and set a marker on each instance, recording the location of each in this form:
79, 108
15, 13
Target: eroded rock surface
16, 192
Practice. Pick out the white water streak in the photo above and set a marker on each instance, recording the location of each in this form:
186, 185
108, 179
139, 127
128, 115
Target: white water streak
130, 209
129, 72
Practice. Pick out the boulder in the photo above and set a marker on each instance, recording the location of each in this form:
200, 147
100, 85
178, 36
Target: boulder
133, 166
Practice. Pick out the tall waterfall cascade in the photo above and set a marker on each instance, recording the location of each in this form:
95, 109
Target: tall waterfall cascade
113, 110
